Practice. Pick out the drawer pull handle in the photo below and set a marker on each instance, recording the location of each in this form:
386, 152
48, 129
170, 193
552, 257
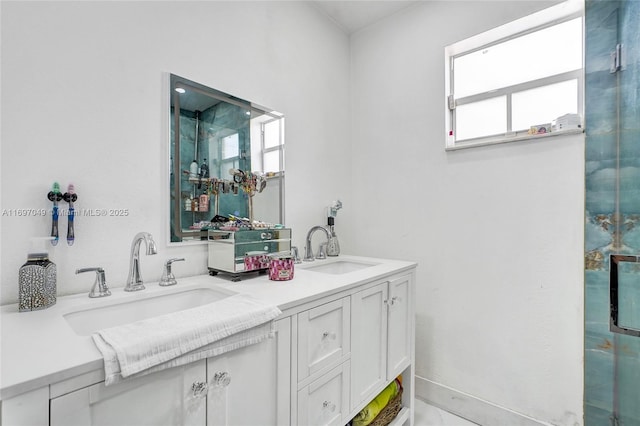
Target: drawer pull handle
221, 379
329, 335
329, 405
199, 389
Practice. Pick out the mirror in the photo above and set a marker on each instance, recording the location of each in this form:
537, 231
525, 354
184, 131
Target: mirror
227, 161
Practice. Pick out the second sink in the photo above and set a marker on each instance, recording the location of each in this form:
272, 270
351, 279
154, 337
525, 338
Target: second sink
338, 267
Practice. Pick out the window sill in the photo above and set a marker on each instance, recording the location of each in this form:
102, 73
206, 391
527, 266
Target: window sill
472, 143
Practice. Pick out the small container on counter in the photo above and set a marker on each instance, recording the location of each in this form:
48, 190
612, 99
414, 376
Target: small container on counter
37, 279
281, 267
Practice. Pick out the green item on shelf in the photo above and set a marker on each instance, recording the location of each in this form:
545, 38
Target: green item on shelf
369, 413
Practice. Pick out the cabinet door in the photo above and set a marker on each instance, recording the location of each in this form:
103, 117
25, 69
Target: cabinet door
326, 400
250, 386
369, 341
323, 336
163, 398
400, 325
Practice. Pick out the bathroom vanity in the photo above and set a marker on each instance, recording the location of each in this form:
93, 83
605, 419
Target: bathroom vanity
346, 331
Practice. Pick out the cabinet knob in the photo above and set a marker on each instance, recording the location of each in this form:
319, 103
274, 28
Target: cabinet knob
328, 335
392, 302
221, 379
199, 389
328, 405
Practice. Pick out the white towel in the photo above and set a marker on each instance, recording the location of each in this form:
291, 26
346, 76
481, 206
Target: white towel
182, 337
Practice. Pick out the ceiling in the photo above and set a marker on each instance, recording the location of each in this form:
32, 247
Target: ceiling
353, 15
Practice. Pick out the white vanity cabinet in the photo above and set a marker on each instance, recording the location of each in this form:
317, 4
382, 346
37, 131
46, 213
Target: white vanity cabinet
246, 386
340, 340
349, 349
382, 336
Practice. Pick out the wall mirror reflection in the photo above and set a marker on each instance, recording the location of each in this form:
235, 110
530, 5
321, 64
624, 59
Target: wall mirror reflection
227, 162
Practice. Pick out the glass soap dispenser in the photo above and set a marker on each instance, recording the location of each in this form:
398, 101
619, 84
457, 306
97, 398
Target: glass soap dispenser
37, 278
333, 246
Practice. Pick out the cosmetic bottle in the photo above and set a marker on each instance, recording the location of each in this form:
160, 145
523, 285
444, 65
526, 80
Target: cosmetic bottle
203, 205
194, 170
204, 170
37, 278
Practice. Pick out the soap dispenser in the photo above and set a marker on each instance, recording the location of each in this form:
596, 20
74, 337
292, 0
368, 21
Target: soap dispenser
333, 246
37, 278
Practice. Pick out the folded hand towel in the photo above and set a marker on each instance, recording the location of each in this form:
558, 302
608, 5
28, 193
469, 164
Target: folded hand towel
178, 338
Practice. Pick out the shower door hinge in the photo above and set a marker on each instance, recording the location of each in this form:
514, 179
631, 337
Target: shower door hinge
452, 102
617, 59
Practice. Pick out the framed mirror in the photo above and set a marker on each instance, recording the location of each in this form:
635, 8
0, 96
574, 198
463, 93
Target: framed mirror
227, 161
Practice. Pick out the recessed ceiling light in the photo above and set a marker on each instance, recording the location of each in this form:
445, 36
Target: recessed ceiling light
180, 90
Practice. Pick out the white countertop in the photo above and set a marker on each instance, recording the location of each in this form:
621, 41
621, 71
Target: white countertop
39, 348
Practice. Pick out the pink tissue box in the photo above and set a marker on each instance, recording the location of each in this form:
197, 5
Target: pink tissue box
256, 262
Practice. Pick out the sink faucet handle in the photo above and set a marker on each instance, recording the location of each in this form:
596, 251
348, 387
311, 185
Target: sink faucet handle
167, 276
295, 254
99, 288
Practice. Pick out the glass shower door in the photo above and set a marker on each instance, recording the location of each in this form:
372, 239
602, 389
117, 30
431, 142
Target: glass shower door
627, 345
612, 304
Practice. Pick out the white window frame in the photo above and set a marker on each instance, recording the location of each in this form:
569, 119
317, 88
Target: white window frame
279, 147
551, 16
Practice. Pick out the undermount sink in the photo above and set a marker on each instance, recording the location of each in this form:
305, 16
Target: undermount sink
87, 321
338, 267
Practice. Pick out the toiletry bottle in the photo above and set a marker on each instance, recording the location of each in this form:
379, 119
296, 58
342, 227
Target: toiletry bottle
204, 170
333, 246
193, 170
37, 278
203, 205
187, 204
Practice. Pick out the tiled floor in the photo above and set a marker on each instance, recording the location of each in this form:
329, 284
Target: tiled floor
428, 415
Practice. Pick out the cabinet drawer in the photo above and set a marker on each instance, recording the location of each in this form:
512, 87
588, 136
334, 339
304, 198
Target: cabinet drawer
326, 400
323, 336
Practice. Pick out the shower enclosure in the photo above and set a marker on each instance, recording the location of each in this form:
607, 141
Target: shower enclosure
612, 232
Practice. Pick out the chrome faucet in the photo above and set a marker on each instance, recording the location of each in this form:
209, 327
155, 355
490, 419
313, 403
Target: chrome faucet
308, 251
134, 282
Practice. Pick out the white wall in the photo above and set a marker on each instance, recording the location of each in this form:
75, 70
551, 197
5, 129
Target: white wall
84, 100
497, 231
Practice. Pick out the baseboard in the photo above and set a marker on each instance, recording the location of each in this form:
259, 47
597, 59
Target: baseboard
470, 407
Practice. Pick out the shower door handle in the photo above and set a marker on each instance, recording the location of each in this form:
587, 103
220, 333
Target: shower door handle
614, 306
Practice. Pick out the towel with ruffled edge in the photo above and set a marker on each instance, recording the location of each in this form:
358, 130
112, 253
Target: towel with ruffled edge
179, 338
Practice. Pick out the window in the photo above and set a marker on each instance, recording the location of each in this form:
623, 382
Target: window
268, 156
272, 146
512, 82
